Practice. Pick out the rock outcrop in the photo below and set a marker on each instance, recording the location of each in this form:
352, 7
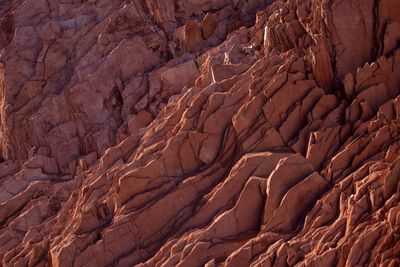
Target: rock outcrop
199, 133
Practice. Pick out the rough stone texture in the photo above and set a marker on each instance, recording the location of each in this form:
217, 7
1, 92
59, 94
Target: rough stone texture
200, 133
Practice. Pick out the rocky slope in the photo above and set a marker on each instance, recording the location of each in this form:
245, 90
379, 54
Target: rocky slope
200, 133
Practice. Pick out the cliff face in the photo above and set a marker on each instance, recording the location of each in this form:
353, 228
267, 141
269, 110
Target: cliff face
200, 133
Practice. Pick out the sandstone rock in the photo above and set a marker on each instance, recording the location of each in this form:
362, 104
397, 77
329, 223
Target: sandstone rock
199, 133
142, 119
208, 26
193, 35
174, 79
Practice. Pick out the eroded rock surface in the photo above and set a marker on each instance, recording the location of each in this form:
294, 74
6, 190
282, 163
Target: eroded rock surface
200, 133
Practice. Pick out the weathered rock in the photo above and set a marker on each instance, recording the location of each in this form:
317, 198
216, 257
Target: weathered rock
174, 79
208, 26
199, 133
193, 35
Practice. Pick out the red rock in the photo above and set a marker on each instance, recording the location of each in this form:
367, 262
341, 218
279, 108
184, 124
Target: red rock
208, 26
141, 120
174, 79
193, 36
199, 133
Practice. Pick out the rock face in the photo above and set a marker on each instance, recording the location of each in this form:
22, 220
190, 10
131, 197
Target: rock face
199, 133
